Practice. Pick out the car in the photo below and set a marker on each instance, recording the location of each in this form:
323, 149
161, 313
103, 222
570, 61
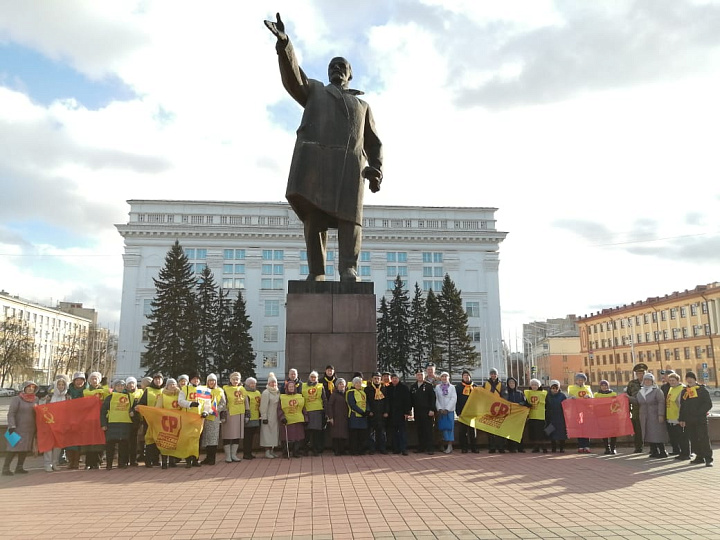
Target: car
716, 392
8, 392
43, 390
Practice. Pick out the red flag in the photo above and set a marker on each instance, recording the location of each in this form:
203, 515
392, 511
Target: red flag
598, 418
73, 422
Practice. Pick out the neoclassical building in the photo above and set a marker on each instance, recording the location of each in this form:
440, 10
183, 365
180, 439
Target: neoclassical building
255, 248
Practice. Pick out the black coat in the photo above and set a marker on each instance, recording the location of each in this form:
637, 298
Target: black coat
377, 406
694, 410
423, 397
398, 401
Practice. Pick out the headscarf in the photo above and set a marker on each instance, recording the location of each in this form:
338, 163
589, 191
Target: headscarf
30, 398
57, 394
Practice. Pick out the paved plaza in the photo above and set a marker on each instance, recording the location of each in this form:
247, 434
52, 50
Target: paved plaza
461, 496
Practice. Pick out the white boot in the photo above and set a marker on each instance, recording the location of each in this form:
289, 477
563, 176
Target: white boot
228, 453
269, 454
233, 452
449, 449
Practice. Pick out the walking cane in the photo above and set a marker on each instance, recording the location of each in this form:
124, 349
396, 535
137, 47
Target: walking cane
287, 442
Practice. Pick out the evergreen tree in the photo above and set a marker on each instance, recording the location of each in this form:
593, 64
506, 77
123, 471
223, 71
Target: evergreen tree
433, 317
383, 337
208, 308
221, 339
242, 356
172, 328
399, 328
419, 345
457, 348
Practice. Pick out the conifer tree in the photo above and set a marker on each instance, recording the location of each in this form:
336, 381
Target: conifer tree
383, 337
242, 356
172, 329
457, 348
419, 346
433, 317
221, 338
399, 328
207, 317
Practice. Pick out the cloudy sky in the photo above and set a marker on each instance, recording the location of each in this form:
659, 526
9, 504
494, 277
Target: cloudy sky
592, 126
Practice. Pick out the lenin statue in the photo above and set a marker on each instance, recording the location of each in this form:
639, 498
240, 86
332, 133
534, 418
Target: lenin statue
335, 139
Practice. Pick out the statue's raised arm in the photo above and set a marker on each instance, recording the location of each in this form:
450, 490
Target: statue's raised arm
277, 28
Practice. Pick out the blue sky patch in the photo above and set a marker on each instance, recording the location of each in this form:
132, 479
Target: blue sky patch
45, 80
44, 233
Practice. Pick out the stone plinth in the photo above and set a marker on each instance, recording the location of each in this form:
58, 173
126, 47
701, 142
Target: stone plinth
331, 322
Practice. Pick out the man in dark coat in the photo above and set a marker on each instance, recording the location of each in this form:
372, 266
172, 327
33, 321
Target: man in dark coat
695, 404
632, 390
378, 413
399, 405
336, 136
422, 394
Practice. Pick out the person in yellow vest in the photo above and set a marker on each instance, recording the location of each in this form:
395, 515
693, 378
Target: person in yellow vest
535, 398
233, 428
116, 420
188, 402
149, 398
315, 405
168, 399
677, 435
292, 415
606, 392
211, 426
357, 416
580, 390
253, 424
93, 453
136, 393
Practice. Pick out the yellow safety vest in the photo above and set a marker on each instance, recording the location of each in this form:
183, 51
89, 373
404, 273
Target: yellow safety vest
360, 401
137, 394
579, 391
313, 396
217, 394
673, 407
190, 394
536, 399
292, 406
168, 401
119, 411
235, 399
601, 395
98, 392
489, 388
254, 399
152, 394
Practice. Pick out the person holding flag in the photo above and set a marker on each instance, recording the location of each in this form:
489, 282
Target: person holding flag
580, 390
214, 403
149, 398
93, 453
555, 417
116, 420
606, 392
59, 393
169, 399
535, 398
188, 401
495, 386
466, 434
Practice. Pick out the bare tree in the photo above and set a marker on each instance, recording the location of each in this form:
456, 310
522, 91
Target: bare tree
16, 348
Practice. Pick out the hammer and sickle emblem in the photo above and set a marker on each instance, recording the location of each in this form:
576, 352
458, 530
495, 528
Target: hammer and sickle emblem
48, 416
615, 407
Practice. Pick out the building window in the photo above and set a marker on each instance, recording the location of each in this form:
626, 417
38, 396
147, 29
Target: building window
432, 257
145, 333
639, 338
273, 254
686, 353
685, 332
654, 316
393, 271
272, 308
472, 309
272, 283
391, 284
270, 359
474, 333
676, 353
303, 255
228, 268
675, 333
397, 256
667, 354
704, 308
693, 309
646, 318
270, 333
698, 352
707, 329
329, 270
267, 270
434, 285
683, 312
673, 313
365, 271
147, 308
304, 270
364, 256
663, 315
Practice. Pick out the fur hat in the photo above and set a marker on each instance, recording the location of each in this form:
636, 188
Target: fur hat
130, 380
555, 382
212, 376
96, 374
536, 381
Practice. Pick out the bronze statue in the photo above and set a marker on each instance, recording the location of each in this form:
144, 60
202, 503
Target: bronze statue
335, 138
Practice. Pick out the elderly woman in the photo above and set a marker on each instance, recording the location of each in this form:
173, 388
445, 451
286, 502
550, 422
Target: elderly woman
169, 398
337, 411
253, 418
580, 390
357, 421
315, 404
93, 453
676, 433
59, 393
555, 418
512, 393
651, 402
292, 415
21, 420
116, 420
445, 401
211, 412
76, 391
535, 397
269, 430
233, 428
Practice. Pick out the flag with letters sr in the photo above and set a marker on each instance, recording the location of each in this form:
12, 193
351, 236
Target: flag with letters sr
489, 412
176, 433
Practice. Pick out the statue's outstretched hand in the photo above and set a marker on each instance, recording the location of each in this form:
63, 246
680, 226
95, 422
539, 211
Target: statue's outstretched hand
374, 176
277, 28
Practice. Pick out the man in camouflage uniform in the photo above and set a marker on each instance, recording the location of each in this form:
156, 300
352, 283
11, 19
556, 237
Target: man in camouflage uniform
632, 389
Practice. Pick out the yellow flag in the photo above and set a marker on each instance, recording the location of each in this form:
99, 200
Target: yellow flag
175, 432
489, 412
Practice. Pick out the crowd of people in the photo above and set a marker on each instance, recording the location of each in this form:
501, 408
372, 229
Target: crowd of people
297, 418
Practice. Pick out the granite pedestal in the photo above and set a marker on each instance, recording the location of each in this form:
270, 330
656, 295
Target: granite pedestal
331, 322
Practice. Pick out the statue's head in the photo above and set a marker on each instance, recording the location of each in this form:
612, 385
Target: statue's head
339, 71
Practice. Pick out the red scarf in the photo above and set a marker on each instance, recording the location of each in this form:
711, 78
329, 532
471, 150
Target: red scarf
30, 398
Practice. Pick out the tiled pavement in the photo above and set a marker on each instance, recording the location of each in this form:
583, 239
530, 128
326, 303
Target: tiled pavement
419, 496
